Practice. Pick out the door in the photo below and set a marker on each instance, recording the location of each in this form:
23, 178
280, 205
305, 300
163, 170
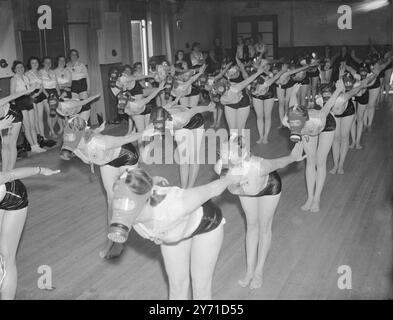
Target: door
251, 26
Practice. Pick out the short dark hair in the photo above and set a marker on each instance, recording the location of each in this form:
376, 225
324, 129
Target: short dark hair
139, 181
58, 58
127, 66
71, 51
31, 59
47, 58
16, 63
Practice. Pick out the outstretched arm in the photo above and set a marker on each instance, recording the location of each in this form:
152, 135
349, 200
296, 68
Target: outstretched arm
151, 96
267, 166
22, 173
223, 72
113, 142
193, 198
241, 67
332, 100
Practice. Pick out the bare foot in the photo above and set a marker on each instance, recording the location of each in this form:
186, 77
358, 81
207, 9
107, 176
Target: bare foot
259, 141
244, 282
351, 146
112, 250
256, 282
315, 206
340, 170
265, 141
334, 170
358, 146
307, 205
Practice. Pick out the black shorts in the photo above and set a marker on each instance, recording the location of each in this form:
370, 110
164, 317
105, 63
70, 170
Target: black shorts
305, 81
148, 109
78, 86
128, 157
137, 90
23, 103
349, 110
16, 113
194, 92
243, 103
15, 197
376, 84
41, 97
313, 74
363, 99
51, 91
330, 123
195, 122
272, 188
211, 219
288, 85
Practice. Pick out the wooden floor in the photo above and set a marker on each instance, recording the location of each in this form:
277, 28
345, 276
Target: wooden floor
66, 228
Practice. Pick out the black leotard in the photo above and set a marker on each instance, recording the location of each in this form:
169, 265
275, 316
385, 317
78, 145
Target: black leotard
15, 197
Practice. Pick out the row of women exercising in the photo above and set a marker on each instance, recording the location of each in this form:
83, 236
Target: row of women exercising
184, 221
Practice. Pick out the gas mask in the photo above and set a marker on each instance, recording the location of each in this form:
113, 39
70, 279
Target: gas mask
126, 206
122, 99
218, 88
158, 117
180, 89
297, 117
113, 76
233, 72
73, 133
348, 81
326, 91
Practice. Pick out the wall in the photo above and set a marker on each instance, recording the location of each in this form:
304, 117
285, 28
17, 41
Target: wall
315, 23
7, 38
199, 24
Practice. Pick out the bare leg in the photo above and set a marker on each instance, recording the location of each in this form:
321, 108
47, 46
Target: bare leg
177, 266
281, 103
267, 206
310, 148
359, 122
346, 124
230, 115
250, 207
242, 116
267, 109
372, 101
109, 175
324, 145
258, 107
183, 141
197, 136
336, 146
204, 253
11, 229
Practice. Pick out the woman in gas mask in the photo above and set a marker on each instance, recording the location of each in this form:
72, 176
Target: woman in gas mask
112, 154
187, 226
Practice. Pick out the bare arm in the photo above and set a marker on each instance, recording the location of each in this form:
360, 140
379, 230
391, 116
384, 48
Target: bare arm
112, 142
268, 166
22, 173
222, 73
330, 103
193, 198
241, 67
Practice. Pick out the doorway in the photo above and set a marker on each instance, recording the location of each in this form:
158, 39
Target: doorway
251, 26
